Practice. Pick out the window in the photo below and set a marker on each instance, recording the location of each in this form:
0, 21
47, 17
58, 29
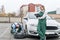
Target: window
31, 16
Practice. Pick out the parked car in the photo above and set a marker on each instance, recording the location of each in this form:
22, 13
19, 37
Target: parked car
31, 22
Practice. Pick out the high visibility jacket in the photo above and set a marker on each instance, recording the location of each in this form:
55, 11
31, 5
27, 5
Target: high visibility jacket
41, 29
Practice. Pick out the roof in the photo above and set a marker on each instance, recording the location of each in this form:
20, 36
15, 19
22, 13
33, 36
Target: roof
52, 12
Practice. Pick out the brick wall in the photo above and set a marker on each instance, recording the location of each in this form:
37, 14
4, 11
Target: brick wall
31, 8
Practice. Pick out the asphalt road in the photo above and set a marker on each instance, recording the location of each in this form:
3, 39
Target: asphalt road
5, 33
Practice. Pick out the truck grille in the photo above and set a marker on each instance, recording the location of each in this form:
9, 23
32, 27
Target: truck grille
51, 28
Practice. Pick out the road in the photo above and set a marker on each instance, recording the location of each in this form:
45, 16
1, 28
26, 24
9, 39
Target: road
5, 33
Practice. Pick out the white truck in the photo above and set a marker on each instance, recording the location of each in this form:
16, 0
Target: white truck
31, 22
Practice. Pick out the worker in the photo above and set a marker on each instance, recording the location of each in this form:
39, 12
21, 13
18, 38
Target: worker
16, 27
41, 29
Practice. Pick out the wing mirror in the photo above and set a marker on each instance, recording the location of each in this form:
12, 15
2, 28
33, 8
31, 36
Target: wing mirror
26, 18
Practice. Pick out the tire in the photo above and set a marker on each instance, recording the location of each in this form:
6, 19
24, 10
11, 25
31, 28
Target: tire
19, 36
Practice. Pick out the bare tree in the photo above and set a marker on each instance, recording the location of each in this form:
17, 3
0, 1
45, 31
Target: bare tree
21, 16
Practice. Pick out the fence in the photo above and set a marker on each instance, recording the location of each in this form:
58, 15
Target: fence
9, 19
13, 19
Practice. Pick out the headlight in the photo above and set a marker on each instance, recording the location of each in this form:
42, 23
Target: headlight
58, 26
33, 32
58, 31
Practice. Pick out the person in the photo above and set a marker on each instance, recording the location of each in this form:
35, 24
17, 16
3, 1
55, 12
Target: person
41, 29
16, 27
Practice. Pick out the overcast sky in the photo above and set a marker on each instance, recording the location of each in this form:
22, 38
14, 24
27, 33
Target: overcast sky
14, 5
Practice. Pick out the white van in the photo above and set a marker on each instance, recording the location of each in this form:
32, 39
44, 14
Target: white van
31, 22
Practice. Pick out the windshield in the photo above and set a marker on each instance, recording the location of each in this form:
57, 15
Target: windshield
31, 16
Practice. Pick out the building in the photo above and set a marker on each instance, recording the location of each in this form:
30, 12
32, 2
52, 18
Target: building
54, 14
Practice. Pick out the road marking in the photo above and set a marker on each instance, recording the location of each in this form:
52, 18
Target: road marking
4, 32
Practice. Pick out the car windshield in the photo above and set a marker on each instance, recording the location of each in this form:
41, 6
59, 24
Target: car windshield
31, 16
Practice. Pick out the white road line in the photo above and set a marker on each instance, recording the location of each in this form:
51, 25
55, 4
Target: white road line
4, 32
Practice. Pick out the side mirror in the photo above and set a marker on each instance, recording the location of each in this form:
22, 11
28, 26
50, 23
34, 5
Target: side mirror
37, 15
26, 18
